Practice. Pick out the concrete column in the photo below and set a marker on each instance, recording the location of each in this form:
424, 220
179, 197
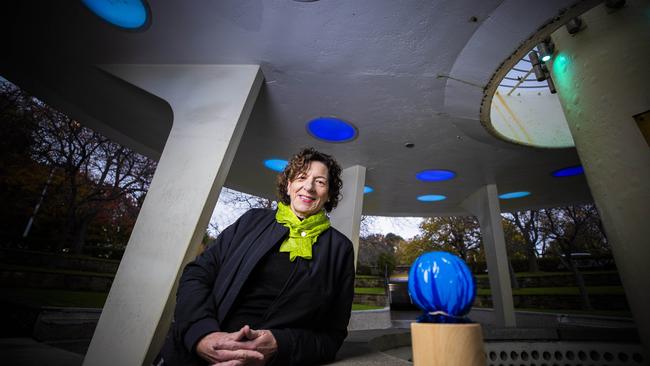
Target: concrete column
346, 217
211, 105
484, 204
602, 78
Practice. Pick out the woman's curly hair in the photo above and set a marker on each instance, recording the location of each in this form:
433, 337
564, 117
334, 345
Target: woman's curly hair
299, 163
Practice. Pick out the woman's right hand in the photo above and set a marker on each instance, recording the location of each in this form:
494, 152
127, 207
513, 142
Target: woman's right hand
230, 348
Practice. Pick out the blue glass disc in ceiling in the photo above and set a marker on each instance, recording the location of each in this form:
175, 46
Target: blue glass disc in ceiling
431, 197
277, 165
128, 14
511, 195
331, 129
434, 175
569, 171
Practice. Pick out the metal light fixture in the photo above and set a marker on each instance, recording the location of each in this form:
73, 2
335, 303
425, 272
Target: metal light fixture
551, 84
537, 66
574, 25
546, 48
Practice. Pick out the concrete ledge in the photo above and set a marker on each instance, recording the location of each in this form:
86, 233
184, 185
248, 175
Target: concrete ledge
370, 319
55, 324
533, 319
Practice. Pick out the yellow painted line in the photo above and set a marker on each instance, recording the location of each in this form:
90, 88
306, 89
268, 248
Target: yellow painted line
513, 132
514, 116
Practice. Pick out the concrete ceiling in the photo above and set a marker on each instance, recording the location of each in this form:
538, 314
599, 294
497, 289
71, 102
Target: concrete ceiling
400, 71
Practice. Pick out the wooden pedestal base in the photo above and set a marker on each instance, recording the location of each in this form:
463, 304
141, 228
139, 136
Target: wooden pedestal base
447, 344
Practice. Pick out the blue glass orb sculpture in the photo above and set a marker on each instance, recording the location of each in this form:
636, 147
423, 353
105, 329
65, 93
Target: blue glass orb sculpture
442, 286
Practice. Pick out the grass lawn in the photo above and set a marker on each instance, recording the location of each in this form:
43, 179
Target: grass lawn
15, 268
368, 277
45, 297
549, 274
534, 291
365, 307
616, 313
369, 290
82, 299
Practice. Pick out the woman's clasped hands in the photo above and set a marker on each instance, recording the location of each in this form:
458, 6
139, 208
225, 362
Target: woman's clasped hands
241, 348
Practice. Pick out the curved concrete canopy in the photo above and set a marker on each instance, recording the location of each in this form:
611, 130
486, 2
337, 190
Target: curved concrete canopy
399, 71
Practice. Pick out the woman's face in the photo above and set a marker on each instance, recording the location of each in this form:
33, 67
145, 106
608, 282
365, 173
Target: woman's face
309, 191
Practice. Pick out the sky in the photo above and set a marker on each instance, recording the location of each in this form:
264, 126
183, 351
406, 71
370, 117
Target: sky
229, 209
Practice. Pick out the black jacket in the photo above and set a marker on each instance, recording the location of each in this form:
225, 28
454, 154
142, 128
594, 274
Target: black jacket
308, 319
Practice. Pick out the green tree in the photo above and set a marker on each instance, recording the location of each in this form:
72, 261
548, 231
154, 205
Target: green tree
527, 223
21, 179
379, 250
573, 229
459, 235
386, 262
456, 234
88, 171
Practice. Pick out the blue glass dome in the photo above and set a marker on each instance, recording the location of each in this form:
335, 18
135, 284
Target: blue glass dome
435, 175
512, 195
331, 129
128, 14
431, 197
442, 286
569, 171
276, 165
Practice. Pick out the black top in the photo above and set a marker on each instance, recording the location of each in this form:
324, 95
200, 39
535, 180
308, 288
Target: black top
261, 289
308, 318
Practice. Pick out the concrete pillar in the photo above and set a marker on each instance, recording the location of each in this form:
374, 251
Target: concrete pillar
602, 79
346, 217
211, 105
484, 204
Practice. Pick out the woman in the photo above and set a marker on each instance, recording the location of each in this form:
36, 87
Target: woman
275, 287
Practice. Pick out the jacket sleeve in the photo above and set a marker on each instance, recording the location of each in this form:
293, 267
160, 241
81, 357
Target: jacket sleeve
299, 346
195, 313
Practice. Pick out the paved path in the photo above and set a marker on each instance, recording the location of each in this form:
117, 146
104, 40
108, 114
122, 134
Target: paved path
28, 352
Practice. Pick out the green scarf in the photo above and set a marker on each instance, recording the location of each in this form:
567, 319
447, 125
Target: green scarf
302, 234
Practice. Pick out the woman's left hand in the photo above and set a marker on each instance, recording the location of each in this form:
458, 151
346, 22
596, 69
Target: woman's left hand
264, 342
261, 341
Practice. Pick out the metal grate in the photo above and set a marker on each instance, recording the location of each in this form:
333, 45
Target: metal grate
519, 77
563, 354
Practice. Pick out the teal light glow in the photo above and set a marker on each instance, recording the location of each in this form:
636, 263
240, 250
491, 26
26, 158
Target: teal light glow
563, 73
512, 195
128, 14
367, 189
546, 58
431, 198
277, 165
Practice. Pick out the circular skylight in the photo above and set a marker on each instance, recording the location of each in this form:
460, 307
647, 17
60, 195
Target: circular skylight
431, 197
331, 129
277, 165
511, 195
127, 14
367, 189
569, 171
434, 175
526, 111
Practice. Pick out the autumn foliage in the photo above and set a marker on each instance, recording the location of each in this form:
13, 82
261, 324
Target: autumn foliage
81, 191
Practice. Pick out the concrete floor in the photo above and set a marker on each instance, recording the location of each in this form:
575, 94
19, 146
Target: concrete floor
386, 347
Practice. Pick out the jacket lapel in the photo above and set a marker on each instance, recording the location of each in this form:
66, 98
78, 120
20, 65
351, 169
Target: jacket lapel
243, 263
